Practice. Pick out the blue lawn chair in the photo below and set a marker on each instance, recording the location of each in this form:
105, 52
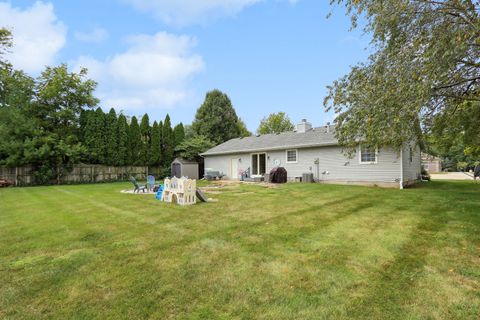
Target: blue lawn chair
150, 182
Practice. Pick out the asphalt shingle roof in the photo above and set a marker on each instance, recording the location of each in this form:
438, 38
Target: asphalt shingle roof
313, 138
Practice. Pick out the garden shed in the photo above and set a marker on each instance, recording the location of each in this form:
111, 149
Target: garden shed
184, 168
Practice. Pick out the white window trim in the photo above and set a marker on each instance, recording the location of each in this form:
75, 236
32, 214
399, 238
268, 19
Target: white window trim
296, 156
366, 162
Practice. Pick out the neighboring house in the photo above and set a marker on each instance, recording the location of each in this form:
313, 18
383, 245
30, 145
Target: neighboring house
431, 163
315, 150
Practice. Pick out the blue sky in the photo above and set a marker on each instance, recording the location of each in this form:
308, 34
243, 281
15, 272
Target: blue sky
162, 56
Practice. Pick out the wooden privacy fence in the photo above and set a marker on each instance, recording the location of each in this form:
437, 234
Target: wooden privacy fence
81, 173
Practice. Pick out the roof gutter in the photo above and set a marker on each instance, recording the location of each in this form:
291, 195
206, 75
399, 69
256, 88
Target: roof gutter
270, 149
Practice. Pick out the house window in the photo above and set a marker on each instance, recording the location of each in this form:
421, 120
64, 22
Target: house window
411, 154
368, 154
292, 156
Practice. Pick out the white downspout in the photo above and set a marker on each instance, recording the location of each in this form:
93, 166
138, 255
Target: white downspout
401, 168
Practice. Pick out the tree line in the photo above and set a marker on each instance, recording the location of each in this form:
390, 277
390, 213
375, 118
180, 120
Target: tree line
53, 121
118, 140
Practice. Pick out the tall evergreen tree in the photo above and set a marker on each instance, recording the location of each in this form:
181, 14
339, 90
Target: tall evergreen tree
178, 134
111, 138
122, 142
155, 145
242, 128
134, 142
160, 131
216, 118
167, 142
82, 122
94, 136
145, 133
100, 136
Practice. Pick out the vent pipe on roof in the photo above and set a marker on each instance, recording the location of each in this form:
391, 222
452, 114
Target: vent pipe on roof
328, 127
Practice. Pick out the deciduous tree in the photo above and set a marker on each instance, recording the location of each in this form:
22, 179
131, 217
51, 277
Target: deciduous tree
191, 148
275, 123
60, 97
425, 66
5, 43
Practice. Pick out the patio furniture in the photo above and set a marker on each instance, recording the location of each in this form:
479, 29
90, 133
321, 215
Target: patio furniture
150, 182
213, 175
136, 185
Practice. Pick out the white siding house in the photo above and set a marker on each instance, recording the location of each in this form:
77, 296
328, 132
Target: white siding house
315, 150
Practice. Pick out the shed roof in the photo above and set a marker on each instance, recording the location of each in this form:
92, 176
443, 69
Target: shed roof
315, 137
184, 161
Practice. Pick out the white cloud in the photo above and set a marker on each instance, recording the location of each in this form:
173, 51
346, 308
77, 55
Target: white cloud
97, 35
152, 73
38, 35
183, 12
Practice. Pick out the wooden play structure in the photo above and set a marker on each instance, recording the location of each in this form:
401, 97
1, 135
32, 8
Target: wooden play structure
181, 191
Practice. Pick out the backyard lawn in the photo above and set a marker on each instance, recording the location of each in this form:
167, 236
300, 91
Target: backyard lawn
297, 251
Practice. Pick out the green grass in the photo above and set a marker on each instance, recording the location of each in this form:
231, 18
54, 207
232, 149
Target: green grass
294, 252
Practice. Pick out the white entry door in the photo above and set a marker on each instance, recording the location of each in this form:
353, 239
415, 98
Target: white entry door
234, 169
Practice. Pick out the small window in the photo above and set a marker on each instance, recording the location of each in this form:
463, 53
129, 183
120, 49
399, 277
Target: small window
291, 156
411, 154
368, 154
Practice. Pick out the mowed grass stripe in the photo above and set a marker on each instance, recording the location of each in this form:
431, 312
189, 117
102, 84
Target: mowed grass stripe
294, 252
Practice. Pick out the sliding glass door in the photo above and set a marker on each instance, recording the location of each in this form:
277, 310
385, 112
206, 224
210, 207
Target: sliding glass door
259, 163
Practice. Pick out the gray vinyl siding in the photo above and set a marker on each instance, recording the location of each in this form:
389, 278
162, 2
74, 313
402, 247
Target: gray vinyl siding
222, 163
331, 160
335, 166
411, 170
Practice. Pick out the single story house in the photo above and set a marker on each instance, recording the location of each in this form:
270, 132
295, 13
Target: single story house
315, 151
